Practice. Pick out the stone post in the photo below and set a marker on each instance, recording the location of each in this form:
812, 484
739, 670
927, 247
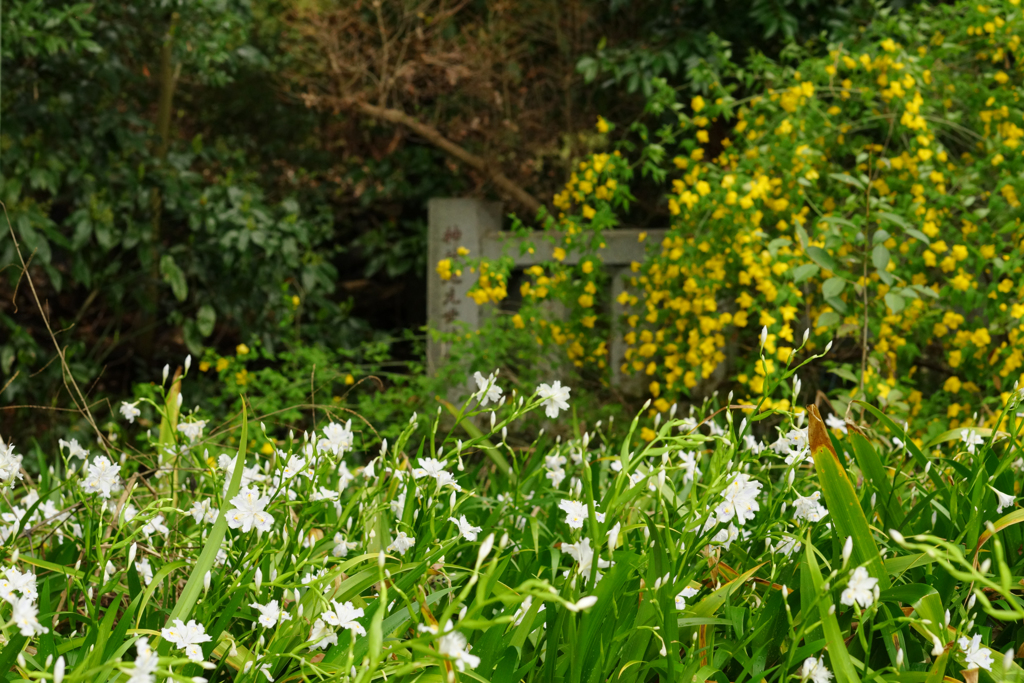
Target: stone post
454, 223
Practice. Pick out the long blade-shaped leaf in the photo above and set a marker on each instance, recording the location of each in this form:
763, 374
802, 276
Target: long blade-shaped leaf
194, 585
843, 505
842, 665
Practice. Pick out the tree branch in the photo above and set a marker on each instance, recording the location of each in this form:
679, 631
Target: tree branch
436, 138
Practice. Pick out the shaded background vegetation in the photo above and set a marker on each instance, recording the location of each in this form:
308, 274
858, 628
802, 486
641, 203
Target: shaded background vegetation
188, 177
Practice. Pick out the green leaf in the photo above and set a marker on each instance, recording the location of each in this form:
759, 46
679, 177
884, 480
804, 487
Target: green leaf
833, 287
194, 585
174, 276
877, 477
842, 665
880, 257
895, 302
206, 318
841, 499
828, 319
821, 257
804, 272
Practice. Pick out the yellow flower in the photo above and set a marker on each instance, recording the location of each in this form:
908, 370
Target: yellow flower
295, 301
655, 389
588, 212
602, 125
697, 103
462, 251
1005, 285
558, 254
349, 379
952, 385
241, 349
242, 377
222, 364
267, 448
585, 300
204, 366
444, 269
647, 434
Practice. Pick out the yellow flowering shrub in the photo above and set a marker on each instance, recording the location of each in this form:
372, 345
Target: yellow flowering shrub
868, 194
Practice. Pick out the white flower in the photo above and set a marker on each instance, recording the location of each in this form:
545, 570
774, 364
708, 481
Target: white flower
145, 570
192, 430
553, 397
74, 449
337, 438
971, 438
270, 613
751, 443
683, 595
739, 499
146, 661
975, 656
202, 511
584, 556
816, 670
155, 525
402, 543
24, 616
727, 536
517, 618
556, 476
862, 588
101, 477
129, 411
575, 513
808, 507
467, 530
794, 446
293, 467
453, 645
345, 615
341, 546
835, 422
23, 582
613, 535
487, 390
187, 637
690, 461
321, 636
1005, 500
429, 467
249, 511
10, 463
787, 546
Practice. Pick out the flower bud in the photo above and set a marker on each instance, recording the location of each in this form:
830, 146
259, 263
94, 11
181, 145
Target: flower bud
847, 549
1008, 660
259, 579
206, 581
58, 670
188, 362
899, 658
132, 550
167, 370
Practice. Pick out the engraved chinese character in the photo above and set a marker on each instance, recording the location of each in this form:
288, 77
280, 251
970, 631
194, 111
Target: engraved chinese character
450, 315
452, 234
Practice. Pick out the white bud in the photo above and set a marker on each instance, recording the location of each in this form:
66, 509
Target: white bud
947, 617
206, 581
300, 610
764, 335
273, 574
58, 670
188, 362
132, 550
15, 555
21, 660
899, 658
181, 399
874, 497
847, 549
937, 650
167, 370
248, 666
785, 592
791, 477
485, 549
49, 661
831, 609
985, 566
259, 579
896, 536
807, 333
381, 558
970, 601
1008, 660
295, 594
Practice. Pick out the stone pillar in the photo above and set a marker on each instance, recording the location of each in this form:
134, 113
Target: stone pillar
454, 223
